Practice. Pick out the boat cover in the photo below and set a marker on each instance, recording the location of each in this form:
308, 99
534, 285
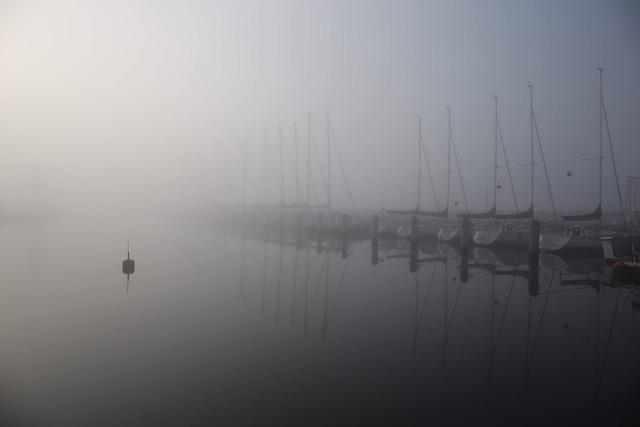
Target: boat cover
482, 215
584, 217
517, 215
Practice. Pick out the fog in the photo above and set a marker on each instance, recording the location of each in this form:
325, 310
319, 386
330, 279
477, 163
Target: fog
118, 108
125, 126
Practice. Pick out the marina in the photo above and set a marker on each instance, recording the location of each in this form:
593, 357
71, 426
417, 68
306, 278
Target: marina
319, 213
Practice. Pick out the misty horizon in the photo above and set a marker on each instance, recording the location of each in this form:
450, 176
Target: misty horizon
150, 104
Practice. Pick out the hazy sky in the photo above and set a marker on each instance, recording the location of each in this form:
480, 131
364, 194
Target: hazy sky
150, 101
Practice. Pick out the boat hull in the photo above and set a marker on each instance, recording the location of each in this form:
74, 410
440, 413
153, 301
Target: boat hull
502, 239
449, 235
559, 242
425, 231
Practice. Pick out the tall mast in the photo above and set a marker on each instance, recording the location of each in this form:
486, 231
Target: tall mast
244, 173
600, 69
309, 159
531, 114
328, 162
495, 153
224, 177
281, 168
295, 138
448, 158
419, 156
265, 167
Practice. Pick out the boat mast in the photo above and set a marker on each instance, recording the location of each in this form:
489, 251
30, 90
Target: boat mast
495, 154
531, 114
448, 159
281, 168
244, 174
600, 69
328, 163
419, 155
265, 169
295, 138
309, 159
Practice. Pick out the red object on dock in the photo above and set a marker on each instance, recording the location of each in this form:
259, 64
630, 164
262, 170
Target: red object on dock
626, 272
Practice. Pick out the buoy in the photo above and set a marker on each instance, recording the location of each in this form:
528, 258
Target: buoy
128, 265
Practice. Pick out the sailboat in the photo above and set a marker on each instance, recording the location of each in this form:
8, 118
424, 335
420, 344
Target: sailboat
509, 234
491, 213
577, 238
337, 223
451, 233
426, 230
303, 215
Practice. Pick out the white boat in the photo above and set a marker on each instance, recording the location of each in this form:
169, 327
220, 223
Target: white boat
507, 235
449, 234
578, 238
426, 230
389, 229
575, 239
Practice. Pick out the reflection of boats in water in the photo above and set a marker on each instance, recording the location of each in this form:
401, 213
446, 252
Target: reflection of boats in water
339, 225
575, 270
573, 264
490, 329
394, 249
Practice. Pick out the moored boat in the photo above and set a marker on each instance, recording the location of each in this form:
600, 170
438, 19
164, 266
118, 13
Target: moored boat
508, 235
574, 239
426, 230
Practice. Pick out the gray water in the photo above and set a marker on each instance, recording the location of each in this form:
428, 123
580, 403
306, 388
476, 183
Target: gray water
229, 329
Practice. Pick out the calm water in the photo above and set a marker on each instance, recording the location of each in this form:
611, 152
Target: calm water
215, 329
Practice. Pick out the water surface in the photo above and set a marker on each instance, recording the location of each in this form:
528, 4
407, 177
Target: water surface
251, 329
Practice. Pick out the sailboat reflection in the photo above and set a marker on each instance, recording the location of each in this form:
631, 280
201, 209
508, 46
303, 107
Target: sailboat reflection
416, 265
329, 310
515, 321
300, 278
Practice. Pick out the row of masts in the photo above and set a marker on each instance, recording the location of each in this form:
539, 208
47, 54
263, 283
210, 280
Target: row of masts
302, 199
492, 213
299, 202
528, 213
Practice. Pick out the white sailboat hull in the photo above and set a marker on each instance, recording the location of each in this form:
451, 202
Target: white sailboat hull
490, 237
560, 242
425, 231
389, 230
449, 234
